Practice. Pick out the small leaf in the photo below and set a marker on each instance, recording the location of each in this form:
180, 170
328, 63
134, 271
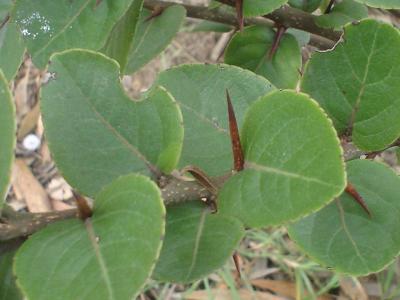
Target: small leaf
306, 5
7, 137
293, 162
109, 256
381, 3
342, 13
8, 288
207, 26
250, 50
196, 243
357, 84
343, 236
154, 35
253, 8
200, 92
50, 26
120, 41
96, 133
12, 50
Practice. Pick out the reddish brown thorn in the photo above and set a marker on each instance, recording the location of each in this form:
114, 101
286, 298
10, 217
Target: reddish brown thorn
201, 177
157, 11
239, 14
277, 39
237, 150
351, 190
236, 260
84, 209
329, 7
4, 22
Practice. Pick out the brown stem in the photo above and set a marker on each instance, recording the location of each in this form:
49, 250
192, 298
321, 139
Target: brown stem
239, 14
351, 190
237, 150
277, 39
222, 16
4, 22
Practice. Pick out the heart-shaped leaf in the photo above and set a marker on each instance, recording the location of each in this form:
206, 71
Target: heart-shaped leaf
120, 41
12, 50
381, 3
154, 35
251, 48
8, 288
196, 243
306, 5
108, 256
357, 83
200, 91
50, 26
7, 136
96, 132
342, 13
293, 162
260, 7
343, 236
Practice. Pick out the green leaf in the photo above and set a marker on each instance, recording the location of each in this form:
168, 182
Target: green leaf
8, 288
50, 26
5, 8
121, 37
12, 50
253, 8
381, 3
302, 37
154, 35
250, 50
342, 13
343, 236
306, 5
357, 84
96, 132
109, 256
196, 243
200, 91
211, 26
7, 136
293, 162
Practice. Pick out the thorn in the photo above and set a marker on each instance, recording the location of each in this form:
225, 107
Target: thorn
236, 260
237, 150
4, 22
277, 39
157, 11
201, 177
84, 210
351, 190
239, 14
329, 7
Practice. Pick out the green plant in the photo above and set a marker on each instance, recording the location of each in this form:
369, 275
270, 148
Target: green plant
296, 162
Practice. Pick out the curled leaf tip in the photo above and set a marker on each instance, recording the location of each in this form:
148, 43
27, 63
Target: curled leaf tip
237, 150
351, 190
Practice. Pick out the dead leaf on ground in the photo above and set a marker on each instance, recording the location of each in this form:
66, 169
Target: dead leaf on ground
25, 185
224, 294
352, 288
29, 122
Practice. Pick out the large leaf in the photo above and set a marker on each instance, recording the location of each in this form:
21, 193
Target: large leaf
381, 3
260, 7
250, 49
96, 132
342, 13
5, 8
7, 136
12, 50
293, 162
343, 236
120, 40
109, 256
196, 243
357, 83
50, 26
154, 35
200, 91
306, 5
8, 288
